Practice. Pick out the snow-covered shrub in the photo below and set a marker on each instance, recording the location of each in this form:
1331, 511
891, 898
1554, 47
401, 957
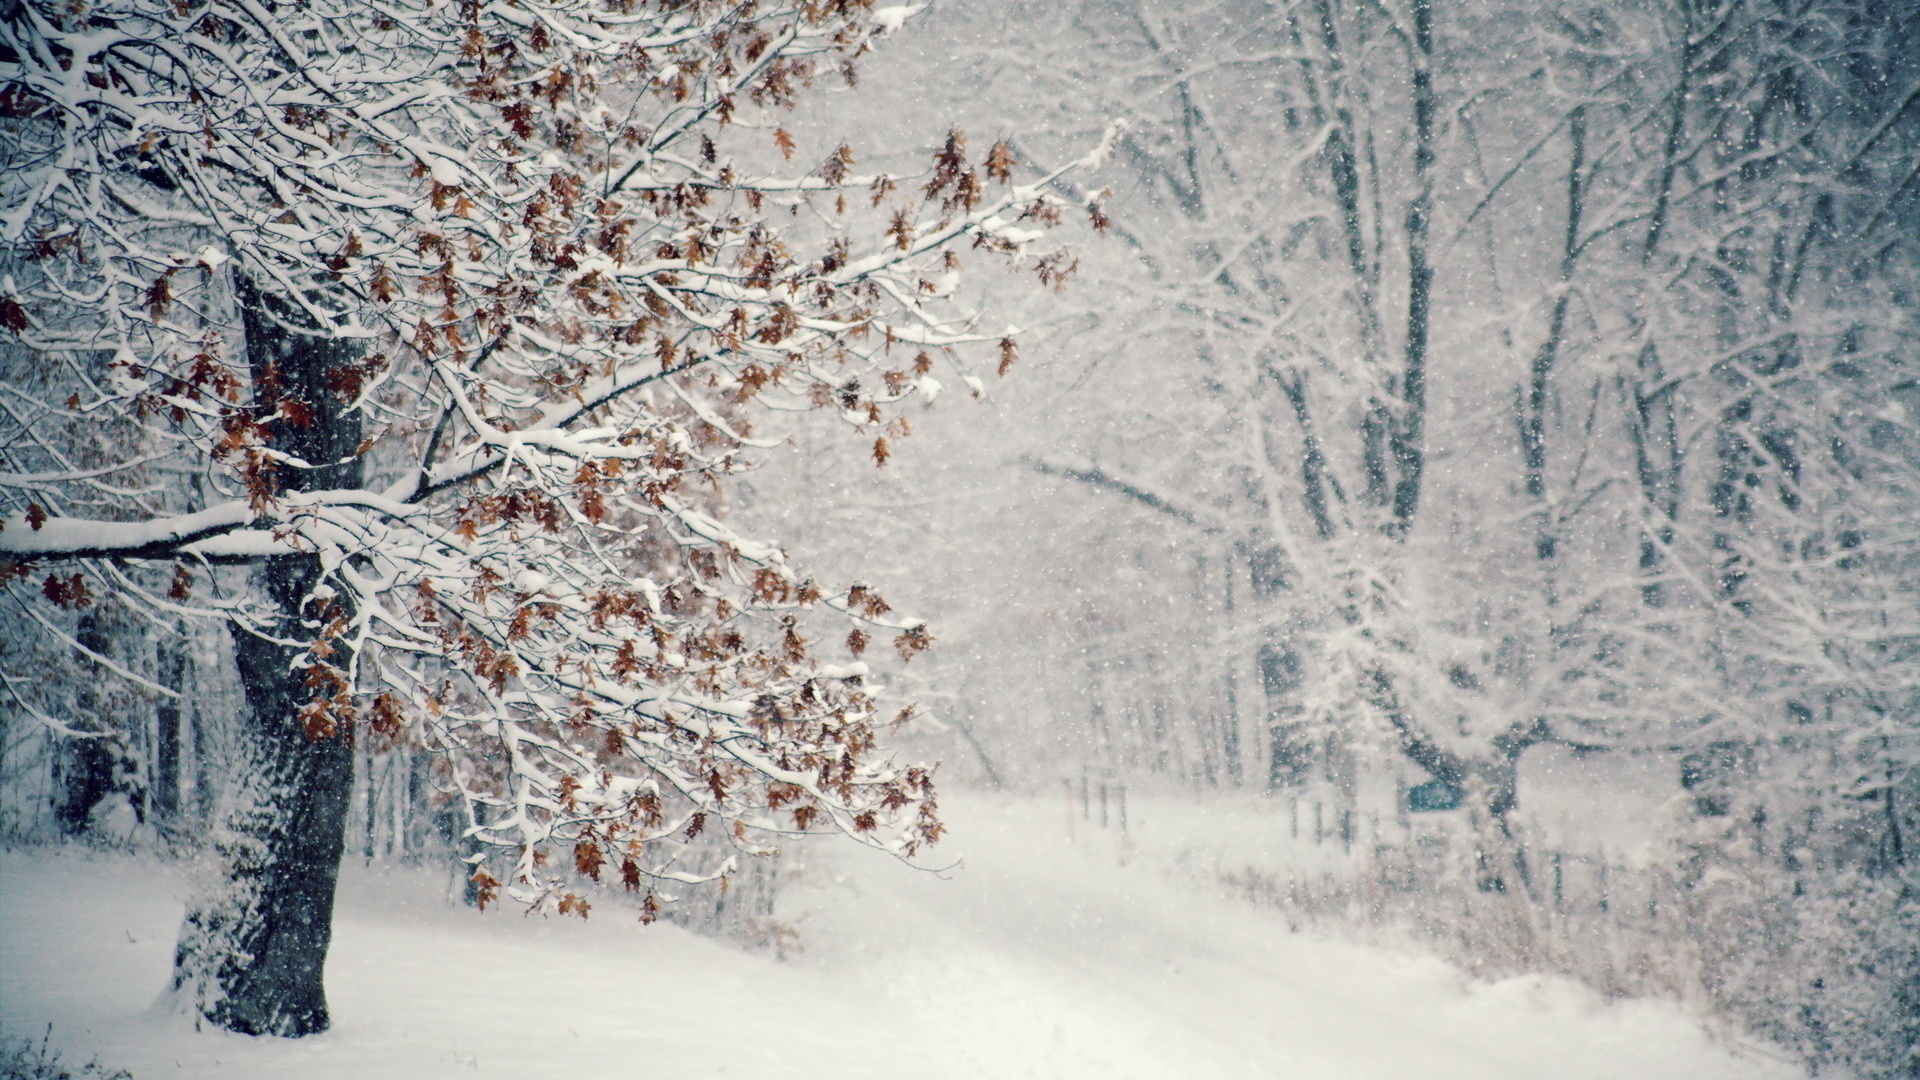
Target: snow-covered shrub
25, 1059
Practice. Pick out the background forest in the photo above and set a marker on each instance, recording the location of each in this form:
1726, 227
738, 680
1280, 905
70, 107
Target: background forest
1519, 398
1485, 439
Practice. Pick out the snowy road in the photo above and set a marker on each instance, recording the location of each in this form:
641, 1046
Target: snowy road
1037, 959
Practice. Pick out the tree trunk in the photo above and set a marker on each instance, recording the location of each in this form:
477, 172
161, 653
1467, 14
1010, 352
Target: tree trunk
169, 720
252, 952
83, 767
1407, 439
1535, 399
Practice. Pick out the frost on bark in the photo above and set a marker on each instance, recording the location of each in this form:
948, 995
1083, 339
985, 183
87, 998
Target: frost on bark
252, 953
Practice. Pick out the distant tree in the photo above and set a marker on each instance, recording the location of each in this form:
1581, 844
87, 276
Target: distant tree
1640, 206
417, 342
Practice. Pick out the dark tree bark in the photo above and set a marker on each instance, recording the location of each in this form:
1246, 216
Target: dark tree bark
83, 767
1534, 402
1289, 749
252, 955
1658, 460
1408, 438
1315, 479
169, 727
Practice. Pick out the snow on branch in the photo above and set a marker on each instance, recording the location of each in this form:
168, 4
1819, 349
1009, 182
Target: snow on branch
35, 536
473, 310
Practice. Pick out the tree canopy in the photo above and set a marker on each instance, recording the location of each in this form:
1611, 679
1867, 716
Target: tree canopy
417, 341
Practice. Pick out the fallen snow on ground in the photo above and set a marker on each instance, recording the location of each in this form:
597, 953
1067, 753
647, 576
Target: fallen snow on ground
1036, 957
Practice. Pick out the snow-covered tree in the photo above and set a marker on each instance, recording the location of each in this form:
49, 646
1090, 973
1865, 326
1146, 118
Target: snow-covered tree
1665, 437
417, 341
1541, 244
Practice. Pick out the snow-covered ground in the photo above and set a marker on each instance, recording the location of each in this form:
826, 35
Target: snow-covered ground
1036, 958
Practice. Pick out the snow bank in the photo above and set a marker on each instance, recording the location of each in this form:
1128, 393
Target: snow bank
1036, 957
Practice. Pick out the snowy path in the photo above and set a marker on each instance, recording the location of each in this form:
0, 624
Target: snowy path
1037, 959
